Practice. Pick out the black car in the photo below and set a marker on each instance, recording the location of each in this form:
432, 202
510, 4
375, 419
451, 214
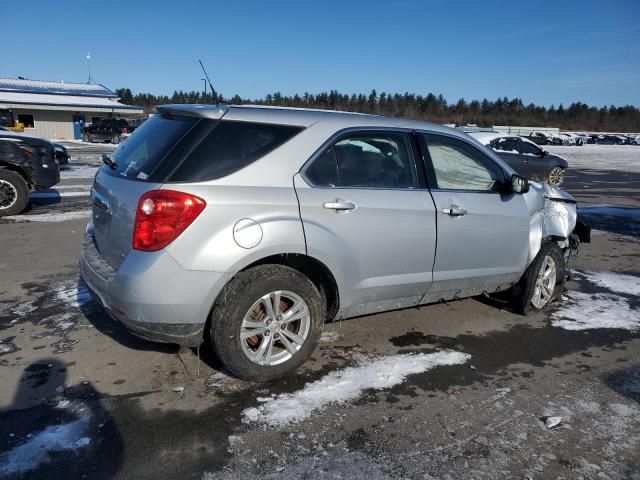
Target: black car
106, 130
525, 157
24, 167
61, 152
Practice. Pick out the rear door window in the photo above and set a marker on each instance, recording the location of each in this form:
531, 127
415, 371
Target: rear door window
143, 151
230, 146
526, 148
366, 160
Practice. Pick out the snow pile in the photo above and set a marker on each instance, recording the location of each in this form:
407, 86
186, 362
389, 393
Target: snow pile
583, 311
51, 217
617, 282
345, 385
76, 296
37, 450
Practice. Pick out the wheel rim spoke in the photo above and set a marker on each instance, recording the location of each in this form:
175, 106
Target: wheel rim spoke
296, 312
293, 337
267, 302
264, 349
252, 333
288, 345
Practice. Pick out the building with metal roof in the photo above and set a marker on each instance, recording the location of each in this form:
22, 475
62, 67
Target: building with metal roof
59, 110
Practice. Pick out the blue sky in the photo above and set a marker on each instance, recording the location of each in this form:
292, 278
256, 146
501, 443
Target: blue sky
547, 52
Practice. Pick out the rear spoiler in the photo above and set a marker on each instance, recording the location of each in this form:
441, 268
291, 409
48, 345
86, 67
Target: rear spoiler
214, 112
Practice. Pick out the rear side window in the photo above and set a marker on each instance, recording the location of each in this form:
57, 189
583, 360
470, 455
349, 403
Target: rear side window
365, 159
143, 151
231, 146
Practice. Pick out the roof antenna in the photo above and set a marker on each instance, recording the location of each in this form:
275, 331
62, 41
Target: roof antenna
213, 92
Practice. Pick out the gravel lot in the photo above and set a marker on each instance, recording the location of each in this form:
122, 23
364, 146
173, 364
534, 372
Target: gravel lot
82, 398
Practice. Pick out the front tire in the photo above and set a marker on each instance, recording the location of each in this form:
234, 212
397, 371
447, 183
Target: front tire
266, 322
555, 178
542, 283
14, 193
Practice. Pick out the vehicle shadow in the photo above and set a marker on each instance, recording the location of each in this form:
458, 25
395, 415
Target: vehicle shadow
69, 435
102, 321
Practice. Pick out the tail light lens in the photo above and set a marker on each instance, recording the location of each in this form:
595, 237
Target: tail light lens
161, 216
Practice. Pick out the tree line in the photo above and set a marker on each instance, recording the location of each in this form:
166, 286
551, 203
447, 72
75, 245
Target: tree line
485, 113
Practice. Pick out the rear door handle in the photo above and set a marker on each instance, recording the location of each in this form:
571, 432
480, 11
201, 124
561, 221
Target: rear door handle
339, 205
454, 211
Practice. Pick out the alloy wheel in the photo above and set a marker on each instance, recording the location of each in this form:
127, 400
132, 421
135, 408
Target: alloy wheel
275, 328
545, 283
556, 176
8, 195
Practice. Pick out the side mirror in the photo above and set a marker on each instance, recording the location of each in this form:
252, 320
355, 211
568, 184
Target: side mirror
519, 184
543, 153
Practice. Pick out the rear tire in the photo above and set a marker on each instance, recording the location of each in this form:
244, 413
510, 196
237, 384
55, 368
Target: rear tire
263, 301
14, 193
536, 290
115, 139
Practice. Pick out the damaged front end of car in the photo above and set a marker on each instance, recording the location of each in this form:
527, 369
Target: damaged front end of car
553, 216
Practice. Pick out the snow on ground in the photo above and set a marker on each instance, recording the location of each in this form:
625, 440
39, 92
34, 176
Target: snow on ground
582, 311
617, 282
624, 158
79, 171
55, 193
37, 450
344, 385
51, 217
76, 296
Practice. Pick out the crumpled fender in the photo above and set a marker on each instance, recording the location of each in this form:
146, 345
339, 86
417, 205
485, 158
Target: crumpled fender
552, 214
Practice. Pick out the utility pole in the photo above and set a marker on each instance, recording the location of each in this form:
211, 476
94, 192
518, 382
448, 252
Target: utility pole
88, 57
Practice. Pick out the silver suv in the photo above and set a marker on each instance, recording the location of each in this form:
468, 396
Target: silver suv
252, 226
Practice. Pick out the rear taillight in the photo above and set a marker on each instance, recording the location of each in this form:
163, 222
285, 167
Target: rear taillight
161, 216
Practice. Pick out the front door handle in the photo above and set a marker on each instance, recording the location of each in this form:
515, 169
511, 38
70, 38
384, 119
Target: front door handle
454, 211
338, 204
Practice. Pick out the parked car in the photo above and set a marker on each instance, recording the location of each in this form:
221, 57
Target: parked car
61, 153
106, 130
24, 168
252, 226
606, 139
540, 138
525, 157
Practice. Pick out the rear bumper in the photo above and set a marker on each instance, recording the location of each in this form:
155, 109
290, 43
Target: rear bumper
151, 294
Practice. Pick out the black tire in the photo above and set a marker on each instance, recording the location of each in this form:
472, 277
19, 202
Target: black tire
524, 291
14, 193
86, 138
115, 139
236, 300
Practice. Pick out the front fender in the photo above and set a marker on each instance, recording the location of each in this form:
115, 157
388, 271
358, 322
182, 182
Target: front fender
552, 214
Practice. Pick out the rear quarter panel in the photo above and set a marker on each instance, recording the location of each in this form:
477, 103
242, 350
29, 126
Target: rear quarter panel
209, 243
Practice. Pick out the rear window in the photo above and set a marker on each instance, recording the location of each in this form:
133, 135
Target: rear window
143, 151
230, 146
